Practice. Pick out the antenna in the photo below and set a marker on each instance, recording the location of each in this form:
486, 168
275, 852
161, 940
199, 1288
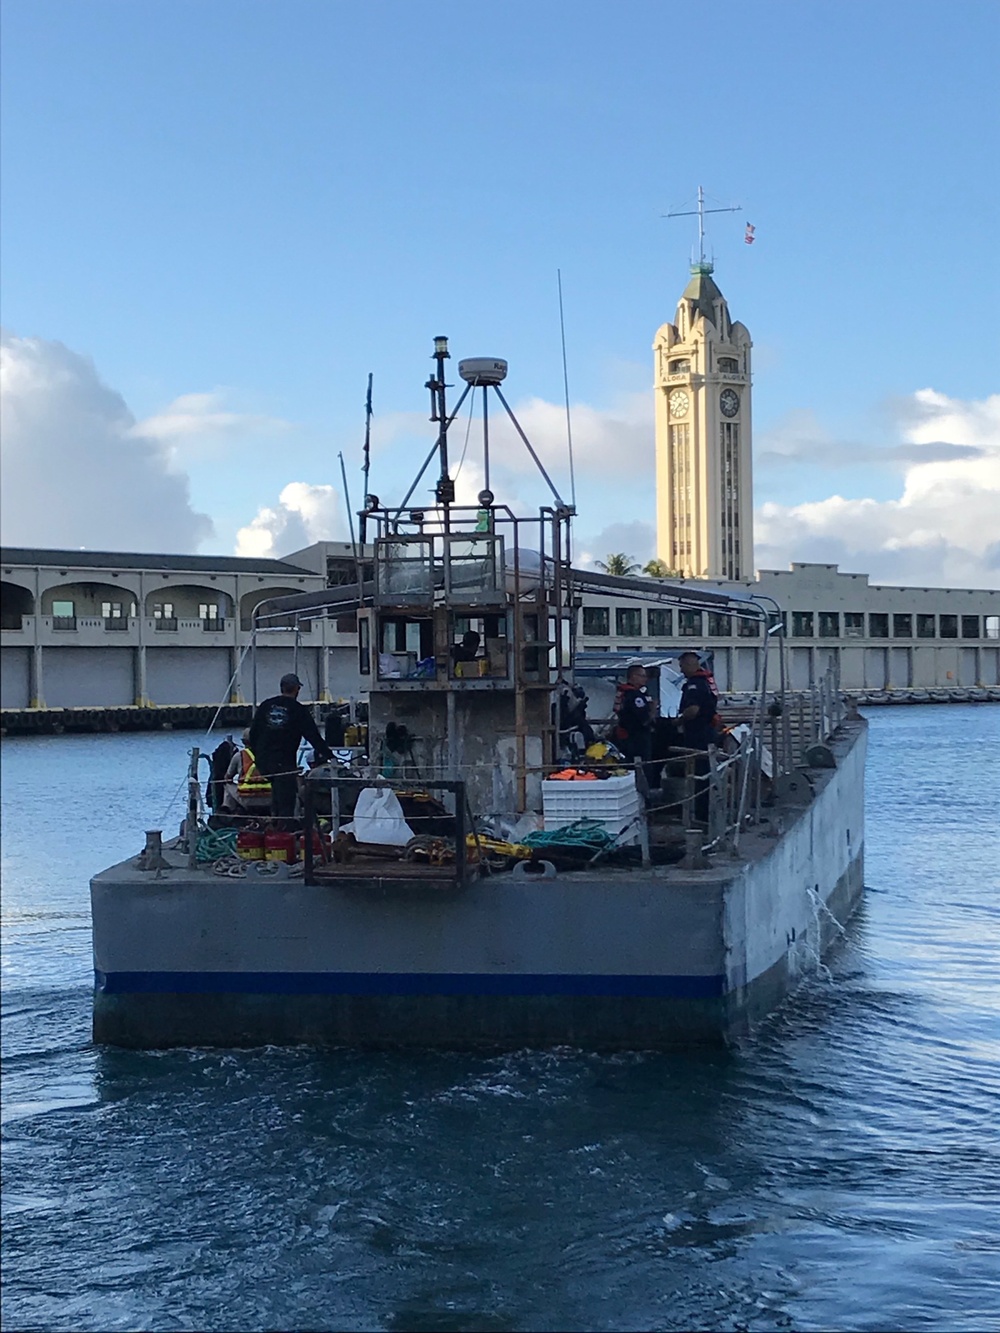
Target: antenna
347, 501
366, 468
569, 423
700, 212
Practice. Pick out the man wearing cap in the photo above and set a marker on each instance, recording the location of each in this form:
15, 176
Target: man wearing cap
278, 726
698, 703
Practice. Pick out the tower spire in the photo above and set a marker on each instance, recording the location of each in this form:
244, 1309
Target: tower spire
704, 265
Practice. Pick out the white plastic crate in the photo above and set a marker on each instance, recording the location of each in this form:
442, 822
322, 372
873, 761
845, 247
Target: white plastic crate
610, 802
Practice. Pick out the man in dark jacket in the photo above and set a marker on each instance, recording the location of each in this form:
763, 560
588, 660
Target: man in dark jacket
278, 726
698, 704
636, 712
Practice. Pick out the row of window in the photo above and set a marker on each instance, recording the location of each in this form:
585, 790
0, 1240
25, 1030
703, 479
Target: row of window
805, 624
903, 625
66, 610
660, 623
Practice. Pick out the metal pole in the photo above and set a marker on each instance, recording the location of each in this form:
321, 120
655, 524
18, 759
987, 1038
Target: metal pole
191, 824
486, 439
569, 422
363, 521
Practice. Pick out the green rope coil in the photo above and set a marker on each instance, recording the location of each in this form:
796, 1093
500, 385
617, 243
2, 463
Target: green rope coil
213, 844
586, 833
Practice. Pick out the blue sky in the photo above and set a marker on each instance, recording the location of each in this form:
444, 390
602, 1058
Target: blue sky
248, 206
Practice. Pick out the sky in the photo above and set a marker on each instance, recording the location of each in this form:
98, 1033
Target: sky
217, 218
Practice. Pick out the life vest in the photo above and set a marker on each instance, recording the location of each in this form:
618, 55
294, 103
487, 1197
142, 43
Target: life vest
250, 782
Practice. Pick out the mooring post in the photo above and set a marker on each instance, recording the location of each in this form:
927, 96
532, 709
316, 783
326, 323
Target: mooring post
191, 824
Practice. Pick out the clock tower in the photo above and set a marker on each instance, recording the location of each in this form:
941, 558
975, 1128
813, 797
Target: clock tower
704, 493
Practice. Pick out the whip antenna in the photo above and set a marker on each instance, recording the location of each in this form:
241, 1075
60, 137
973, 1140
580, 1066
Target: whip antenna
366, 468
569, 421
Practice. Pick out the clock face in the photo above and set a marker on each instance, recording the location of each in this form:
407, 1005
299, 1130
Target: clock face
678, 403
729, 402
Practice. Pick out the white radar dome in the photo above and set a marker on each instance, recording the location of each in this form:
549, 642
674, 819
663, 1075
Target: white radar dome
483, 370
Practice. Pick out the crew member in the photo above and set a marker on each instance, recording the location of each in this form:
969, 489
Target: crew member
247, 790
335, 727
279, 724
636, 712
698, 703
468, 649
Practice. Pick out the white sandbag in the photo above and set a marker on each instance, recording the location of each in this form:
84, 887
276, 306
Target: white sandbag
378, 817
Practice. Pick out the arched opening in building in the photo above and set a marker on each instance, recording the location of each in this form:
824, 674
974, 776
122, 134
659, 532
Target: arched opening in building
16, 602
188, 604
69, 603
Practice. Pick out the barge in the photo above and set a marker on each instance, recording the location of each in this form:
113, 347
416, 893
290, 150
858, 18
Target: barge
695, 907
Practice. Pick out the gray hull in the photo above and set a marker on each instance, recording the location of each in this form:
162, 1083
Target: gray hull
603, 959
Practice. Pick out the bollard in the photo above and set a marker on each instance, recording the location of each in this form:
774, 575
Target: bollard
151, 857
694, 857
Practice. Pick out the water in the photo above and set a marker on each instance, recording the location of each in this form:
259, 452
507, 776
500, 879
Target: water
843, 1172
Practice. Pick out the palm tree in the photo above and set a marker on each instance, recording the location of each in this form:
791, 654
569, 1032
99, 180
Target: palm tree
659, 569
618, 563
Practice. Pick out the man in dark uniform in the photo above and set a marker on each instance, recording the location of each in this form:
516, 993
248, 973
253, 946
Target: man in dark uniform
636, 713
698, 704
279, 724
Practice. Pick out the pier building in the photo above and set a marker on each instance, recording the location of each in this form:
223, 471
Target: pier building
110, 629
93, 629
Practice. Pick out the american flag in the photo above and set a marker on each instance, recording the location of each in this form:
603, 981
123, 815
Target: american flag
748, 235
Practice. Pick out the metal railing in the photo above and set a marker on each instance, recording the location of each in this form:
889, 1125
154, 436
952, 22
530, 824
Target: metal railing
773, 744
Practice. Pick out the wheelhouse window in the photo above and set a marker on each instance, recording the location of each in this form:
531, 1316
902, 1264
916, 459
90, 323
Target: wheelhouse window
925, 626
628, 621
878, 624
902, 626
802, 624
597, 620
659, 621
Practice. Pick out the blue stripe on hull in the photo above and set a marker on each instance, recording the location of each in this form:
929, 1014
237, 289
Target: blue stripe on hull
407, 983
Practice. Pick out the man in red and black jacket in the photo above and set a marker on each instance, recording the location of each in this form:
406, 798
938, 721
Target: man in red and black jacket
699, 703
636, 713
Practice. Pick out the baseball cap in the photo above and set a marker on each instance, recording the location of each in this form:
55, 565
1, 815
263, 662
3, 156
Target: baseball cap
290, 682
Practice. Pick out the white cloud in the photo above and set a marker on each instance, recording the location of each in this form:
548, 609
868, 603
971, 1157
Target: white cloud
77, 470
304, 514
943, 530
194, 419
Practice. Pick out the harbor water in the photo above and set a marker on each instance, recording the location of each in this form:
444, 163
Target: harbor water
842, 1171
